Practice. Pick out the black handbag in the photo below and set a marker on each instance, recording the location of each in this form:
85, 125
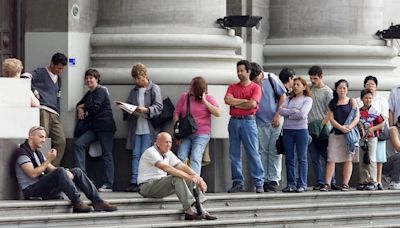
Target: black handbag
279, 144
186, 125
166, 114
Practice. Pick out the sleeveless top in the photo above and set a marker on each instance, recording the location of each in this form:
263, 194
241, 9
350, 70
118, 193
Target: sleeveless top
340, 114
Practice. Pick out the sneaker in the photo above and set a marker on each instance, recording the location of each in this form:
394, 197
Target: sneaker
259, 189
335, 187
380, 187
301, 189
105, 188
104, 206
132, 188
361, 186
272, 186
81, 207
394, 185
318, 187
289, 189
236, 188
370, 187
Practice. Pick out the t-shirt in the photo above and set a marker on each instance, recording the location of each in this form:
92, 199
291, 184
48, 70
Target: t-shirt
372, 117
249, 92
321, 98
268, 105
199, 111
23, 179
379, 103
148, 160
394, 104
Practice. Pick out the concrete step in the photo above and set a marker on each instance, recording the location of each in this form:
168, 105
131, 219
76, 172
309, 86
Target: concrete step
244, 209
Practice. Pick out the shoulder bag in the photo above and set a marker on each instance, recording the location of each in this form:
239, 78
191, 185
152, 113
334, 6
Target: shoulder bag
186, 125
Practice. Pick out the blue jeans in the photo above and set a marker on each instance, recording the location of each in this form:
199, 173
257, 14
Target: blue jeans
194, 146
141, 143
57, 181
296, 139
271, 160
106, 141
244, 130
316, 153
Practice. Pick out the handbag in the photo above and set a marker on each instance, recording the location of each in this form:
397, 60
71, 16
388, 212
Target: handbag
166, 114
186, 125
279, 144
384, 133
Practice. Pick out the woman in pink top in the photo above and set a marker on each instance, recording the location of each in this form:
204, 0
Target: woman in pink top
202, 106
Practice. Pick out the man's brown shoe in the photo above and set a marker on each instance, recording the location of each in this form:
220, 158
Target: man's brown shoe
81, 207
209, 217
193, 216
104, 206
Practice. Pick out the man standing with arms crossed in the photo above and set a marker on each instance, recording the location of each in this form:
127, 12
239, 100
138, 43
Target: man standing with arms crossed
243, 98
269, 124
46, 85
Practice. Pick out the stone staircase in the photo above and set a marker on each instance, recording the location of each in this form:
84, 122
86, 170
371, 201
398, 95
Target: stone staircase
309, 209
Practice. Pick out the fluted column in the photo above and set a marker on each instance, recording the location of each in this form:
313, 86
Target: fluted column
339, 35
176, 39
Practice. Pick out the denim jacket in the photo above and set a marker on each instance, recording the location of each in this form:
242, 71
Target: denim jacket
352, 137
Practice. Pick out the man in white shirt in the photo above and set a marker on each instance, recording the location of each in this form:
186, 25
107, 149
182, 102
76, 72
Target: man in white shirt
161, 174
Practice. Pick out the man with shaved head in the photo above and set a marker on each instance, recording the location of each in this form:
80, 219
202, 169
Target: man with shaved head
161, 174
38, 178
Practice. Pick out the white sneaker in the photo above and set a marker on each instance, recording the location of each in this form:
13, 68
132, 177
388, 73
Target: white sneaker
394, 185
105, 188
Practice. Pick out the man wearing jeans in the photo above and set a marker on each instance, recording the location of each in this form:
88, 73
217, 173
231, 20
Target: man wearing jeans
243, 98
38, 178
269, 124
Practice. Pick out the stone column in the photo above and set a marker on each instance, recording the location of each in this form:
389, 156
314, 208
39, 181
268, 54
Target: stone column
339, 35
177, 40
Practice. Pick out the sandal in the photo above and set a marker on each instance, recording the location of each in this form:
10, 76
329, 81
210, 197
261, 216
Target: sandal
344, 188
324, 188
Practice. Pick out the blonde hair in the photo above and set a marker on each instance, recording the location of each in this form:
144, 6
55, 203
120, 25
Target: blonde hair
12, 67
139, 69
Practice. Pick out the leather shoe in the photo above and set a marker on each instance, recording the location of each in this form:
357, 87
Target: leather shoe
209, 217
81, 207
104, 206
193, 217
132, 188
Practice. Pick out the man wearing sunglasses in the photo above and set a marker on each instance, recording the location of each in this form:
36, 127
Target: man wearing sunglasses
38, 178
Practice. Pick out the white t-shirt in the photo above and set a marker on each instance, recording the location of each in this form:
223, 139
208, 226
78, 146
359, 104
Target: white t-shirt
148, 160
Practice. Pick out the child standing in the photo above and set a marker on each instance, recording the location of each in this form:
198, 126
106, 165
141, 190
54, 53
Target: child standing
372, 122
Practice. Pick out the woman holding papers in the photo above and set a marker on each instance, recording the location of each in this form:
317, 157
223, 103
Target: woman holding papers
202, 106
146, 95
95, 107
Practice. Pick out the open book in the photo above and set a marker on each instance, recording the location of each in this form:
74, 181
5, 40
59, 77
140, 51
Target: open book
129, 108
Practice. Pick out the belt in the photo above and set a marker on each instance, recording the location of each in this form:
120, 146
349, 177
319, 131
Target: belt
248, 117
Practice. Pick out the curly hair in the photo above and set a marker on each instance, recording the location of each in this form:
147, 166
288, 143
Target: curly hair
139, 69
12, 67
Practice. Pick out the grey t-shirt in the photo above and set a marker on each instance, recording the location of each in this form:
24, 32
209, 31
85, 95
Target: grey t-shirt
23, 179
321, 98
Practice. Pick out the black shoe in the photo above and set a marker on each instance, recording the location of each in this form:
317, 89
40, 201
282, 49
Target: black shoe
259, 189
370, 187
209, 217
133, 188
318, 187
236, 188
335, 187
272, 186
289, 189
265, 187
361, 186
380, 187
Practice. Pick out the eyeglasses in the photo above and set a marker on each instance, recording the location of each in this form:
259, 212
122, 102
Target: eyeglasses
36, 129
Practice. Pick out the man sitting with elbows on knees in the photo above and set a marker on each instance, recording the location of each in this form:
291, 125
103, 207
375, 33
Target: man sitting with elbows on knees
38, 178
161, 174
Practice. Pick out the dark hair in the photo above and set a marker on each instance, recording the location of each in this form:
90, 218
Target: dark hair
315, 70
59, 58
198, 87
286, 74
306, 92
365, 92
256, 70
333, 102
93, 73
370, 78
398, 119
245, 63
